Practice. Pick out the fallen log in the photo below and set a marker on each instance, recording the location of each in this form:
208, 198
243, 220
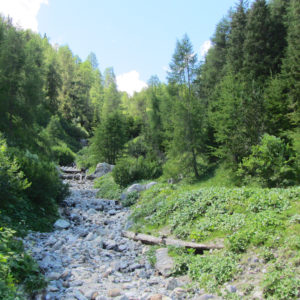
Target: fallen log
144, 238
152, 240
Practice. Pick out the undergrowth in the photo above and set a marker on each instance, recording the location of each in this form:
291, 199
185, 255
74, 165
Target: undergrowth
19, 273
243, 218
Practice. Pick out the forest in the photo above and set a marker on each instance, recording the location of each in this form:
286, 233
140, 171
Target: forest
227, 128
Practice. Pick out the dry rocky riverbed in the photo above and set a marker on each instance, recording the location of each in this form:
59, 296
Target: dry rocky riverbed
86, 257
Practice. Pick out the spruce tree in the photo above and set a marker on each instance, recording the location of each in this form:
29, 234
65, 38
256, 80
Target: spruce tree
187, 111
257, 46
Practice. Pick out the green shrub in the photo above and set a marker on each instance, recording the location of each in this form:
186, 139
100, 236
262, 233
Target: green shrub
12, 180
129, 170
271, 164
137, 147
108, 189
17, 267
180, 167
63, 154
84, 159
212, 270
281, 283
130, 199
44, 178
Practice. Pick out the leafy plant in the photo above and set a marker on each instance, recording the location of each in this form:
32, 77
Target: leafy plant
108, 189
129, 170
281, 283
270, 164
131, 199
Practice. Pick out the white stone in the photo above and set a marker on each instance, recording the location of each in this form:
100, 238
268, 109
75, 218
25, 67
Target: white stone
61, 224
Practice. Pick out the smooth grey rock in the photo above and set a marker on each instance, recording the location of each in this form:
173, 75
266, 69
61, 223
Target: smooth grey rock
150, 184
164, 263
101, 170
61, 224
231, 288
136, 188
205, 297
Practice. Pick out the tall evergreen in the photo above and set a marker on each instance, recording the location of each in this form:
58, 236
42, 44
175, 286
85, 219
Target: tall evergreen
291, 65
257, 46
236, 38
187, 120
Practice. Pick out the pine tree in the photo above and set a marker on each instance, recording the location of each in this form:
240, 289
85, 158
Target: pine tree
257, 46
236, 38
291, 64
187, 117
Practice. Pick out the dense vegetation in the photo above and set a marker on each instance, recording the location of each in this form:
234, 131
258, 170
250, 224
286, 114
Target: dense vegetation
239, 107
218, 125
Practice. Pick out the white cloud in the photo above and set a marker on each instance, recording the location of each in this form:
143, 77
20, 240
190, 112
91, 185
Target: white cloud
23, 12
130, 82
205, 47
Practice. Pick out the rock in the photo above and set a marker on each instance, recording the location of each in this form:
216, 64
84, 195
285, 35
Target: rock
258, 295
114, 292
150, 184
136, 188
231, 288
122, 298
156, 297
101, 170
164, 263
53, 276
112, 212
172, 284
77, 294
180, 293
122, 248
61, 224
205, 297
110, 244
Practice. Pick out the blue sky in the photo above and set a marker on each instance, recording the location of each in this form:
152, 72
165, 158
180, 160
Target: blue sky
136, 37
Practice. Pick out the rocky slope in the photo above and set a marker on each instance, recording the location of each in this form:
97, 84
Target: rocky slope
86, 257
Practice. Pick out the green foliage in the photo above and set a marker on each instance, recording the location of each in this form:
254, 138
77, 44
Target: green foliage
12, 179
270, 164
63, 154
129, 170
108, 189
17, 268
131, 199
208, 270
245, 216
46, 186
281, 283
188, 119
109, 138
179, 167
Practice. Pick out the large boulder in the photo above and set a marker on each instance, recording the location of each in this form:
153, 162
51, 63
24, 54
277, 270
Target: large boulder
136, 188
101, 170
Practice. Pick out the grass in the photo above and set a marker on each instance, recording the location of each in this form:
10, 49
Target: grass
247, 218
108, 189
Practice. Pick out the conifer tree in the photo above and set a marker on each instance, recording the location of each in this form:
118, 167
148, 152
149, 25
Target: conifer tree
187, 113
